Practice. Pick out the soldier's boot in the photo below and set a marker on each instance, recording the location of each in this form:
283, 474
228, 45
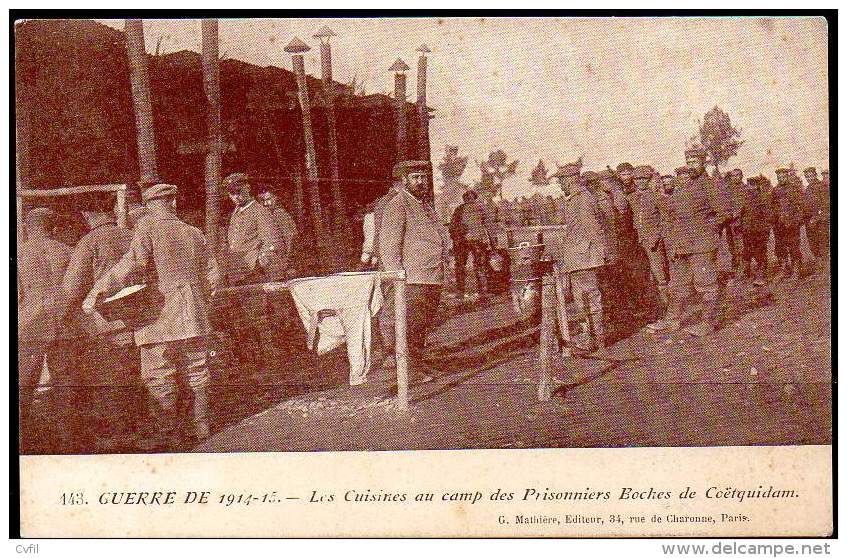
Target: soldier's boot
201, 413
673, 317
713, 317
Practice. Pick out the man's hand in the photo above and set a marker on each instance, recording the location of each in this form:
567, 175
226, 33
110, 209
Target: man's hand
90, 302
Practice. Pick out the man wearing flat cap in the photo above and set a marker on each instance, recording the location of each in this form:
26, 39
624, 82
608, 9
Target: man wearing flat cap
173, 342
412, 238
816, 199
580, 253
691, 216
790, 214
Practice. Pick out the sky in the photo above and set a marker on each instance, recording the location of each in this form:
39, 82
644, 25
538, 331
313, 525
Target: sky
606, 89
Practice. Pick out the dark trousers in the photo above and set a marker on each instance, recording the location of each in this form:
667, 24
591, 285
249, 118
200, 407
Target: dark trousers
479, 252
730, 242
787, 244
818, 234
756, 248
421, 309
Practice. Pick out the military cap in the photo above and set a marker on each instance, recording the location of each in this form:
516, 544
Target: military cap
625, 167
608, 174
698, 152
403, 168
38, 216
158, 191
810, 169
681, 170
235, 181
667, 177
590, 176
783, 170
643, 171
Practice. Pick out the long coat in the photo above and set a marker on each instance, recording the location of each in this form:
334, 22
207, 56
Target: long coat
691, 216
789, 206
41, 266
758, 215
582, 244
93, 256
176, 255
252, 232
646, 217
412, 238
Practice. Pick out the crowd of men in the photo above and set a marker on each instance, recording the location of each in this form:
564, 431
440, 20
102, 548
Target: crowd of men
621, 232
163, 347
635, 243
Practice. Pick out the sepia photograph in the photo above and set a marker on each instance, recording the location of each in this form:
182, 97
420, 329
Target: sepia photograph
391, 234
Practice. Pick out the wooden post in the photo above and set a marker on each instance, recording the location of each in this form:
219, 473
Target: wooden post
21, 160
399, 68
324, 35
212, 88
423, 113
134, 30
120, 207
297, 47
401, 347
547, 342
299, 201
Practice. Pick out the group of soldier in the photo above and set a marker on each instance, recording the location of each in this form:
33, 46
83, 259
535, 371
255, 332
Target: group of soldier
153, 365
622, 231
633, 244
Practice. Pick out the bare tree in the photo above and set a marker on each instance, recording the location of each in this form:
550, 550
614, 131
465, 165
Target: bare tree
493, 172
141, 99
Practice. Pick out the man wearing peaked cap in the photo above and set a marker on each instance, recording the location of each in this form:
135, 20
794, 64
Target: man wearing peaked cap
690, 221
625, 171
158, 191
790, 214
173, 342
647, 222
41, 263
757, 217
413, 239
580, 253
816, 198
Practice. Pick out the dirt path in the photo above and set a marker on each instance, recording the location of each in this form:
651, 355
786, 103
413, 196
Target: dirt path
762, 379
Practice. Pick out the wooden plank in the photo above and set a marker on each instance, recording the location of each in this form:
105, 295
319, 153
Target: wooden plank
401, 347
546, 345
70, 190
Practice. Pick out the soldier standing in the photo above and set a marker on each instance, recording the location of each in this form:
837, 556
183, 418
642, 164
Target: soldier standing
284, 221
581, 252
790, 212
647, 222
469, 233
691, 215
757, 217
817, 213
174, 345
412, 238
609, 274
112, 358
734, 191
42, 261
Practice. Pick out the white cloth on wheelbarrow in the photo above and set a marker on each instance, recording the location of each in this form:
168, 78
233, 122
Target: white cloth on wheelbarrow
337, 309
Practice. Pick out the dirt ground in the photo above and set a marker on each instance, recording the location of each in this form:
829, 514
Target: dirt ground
763, 378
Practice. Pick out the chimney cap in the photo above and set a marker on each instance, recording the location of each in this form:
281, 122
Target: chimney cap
324, 33
297, 46
423, 48
398, 66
